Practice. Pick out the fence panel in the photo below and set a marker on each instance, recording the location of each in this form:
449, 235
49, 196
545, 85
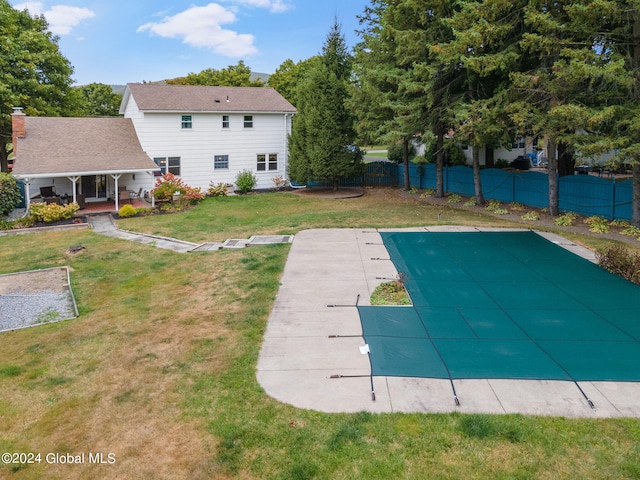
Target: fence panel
459, 179
531, 188
497, 184
622, 200
586, 195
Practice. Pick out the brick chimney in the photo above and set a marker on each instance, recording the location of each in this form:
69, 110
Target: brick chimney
17, 127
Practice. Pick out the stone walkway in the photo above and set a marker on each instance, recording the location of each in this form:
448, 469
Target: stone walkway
104, 225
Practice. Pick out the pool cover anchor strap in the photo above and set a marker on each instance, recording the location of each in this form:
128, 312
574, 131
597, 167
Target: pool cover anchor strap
334, 305
364, 350
593, 407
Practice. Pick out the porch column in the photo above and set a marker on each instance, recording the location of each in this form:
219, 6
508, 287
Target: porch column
74, 180
116, 177
27, 192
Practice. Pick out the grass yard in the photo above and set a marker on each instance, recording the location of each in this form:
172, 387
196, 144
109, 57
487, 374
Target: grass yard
159, 369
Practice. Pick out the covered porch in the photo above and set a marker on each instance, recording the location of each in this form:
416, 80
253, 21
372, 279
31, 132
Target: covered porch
108, 206
95, 162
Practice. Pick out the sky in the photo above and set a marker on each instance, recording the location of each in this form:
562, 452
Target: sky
126, 41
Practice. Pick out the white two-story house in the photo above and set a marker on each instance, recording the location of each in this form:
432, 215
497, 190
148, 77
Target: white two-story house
207, 135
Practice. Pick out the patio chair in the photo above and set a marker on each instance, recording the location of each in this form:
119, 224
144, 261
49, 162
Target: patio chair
137, 194
124, 196
47, 192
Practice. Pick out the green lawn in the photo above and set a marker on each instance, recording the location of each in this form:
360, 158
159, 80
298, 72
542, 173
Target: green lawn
159, 368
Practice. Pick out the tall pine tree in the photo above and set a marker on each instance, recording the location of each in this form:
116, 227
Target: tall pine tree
321, 144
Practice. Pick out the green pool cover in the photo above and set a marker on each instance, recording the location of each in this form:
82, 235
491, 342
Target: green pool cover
506, 305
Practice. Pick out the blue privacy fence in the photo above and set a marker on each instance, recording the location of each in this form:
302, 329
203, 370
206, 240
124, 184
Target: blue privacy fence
583, 194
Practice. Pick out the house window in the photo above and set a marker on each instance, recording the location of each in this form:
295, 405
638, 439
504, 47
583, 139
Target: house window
167, 165
221, 162
174, 165
187, 121
518, 143
225, 121
267, 161
162, 163
248, 121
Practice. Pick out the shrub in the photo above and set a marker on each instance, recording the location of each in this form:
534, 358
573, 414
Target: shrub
169, 185
620, 261
631, 231
396, 152
390, 293
280, 182
246, 181
619, 223
530, 216
597, 224
566, 219
9, 194
454, 198
51, 212
127, 211
217, 190
470, 203
413, 191
191, 196
428, 193
502, 163
495, 207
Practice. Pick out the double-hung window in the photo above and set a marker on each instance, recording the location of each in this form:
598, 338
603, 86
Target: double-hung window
267, 161
187, 121
221, 162
225, 121
167, 165
248, 121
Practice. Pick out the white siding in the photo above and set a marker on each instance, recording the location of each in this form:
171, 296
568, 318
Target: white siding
162, 135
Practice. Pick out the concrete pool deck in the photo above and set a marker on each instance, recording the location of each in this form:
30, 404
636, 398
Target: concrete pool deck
311, 355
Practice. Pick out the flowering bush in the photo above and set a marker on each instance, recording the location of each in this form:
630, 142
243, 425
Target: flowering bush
169, 185
192, 196
51, 212
280, 182
218, 190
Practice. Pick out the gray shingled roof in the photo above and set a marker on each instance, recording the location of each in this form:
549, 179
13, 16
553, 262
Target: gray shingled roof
192, 98
62, 145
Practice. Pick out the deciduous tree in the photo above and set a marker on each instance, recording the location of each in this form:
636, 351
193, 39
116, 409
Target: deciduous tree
33, 73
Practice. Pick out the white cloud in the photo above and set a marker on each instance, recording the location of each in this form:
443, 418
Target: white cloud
61, 18
201, 27
274, 6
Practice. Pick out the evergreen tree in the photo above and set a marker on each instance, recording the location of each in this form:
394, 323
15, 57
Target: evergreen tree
321, 144
404, 90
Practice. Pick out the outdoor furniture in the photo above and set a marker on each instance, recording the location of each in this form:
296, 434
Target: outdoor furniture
47, 192
56, 199
137, 194
124, 196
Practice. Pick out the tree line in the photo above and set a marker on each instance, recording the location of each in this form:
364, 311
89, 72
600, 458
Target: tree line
478, 73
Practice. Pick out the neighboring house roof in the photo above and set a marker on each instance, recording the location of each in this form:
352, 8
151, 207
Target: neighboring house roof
151, 97
64, 146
